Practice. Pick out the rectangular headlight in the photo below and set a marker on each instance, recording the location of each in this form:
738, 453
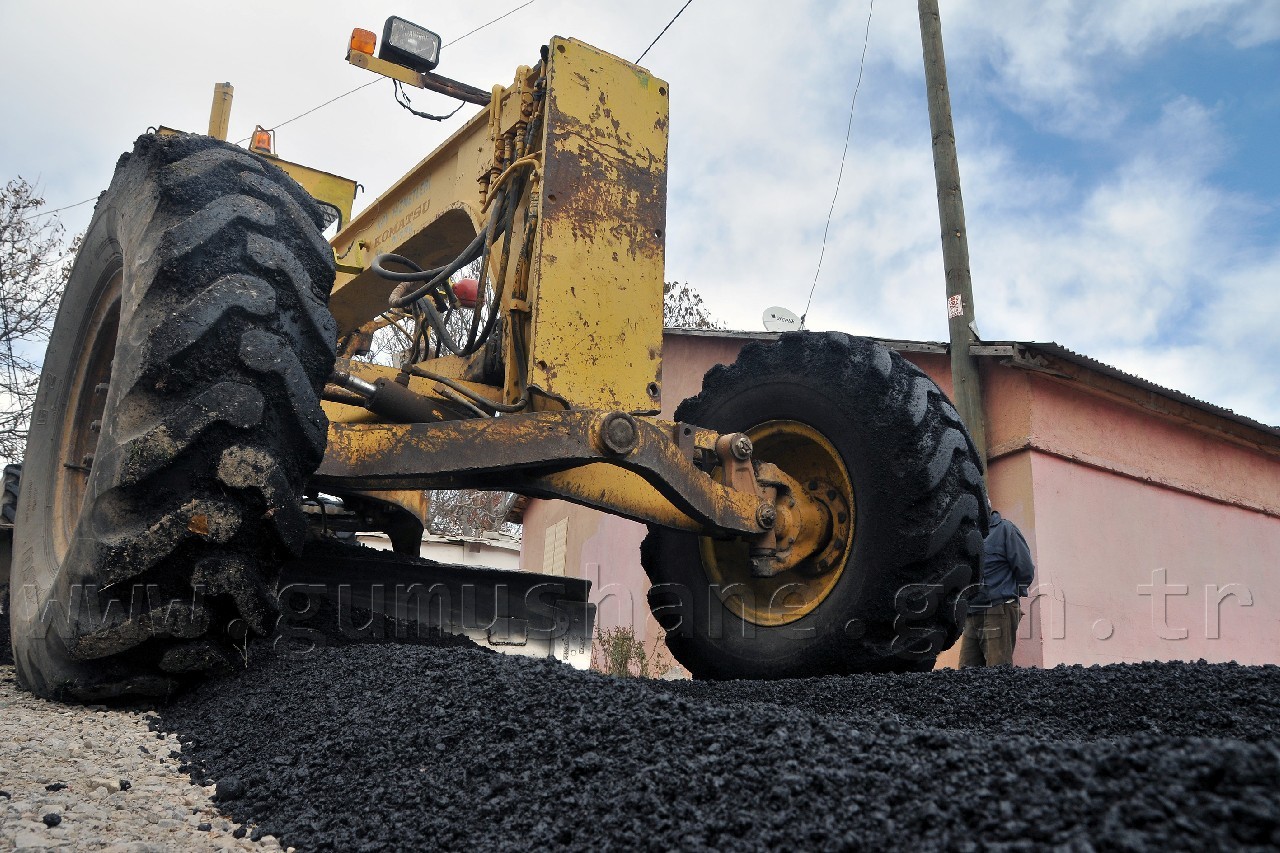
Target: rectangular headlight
410, 45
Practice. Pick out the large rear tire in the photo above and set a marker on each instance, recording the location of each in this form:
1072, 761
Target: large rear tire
873, 436
9, 489
177, 418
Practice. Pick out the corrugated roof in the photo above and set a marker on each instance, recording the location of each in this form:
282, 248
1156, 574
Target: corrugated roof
1059, 351
1007, 348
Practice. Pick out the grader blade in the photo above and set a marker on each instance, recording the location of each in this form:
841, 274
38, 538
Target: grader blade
341, 594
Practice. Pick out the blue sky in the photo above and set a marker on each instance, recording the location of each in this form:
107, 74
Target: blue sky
1120, 184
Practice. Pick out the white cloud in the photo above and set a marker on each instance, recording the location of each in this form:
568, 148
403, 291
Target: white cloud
1130, 252
1052, 61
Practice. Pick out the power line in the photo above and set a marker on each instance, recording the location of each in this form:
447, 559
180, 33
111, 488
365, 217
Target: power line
58, 209
371, 82
313, 109
664, 31
866, 38
494, 21
351, 92
325, 104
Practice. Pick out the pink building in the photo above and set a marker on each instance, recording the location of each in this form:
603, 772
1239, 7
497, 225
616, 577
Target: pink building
1154, 518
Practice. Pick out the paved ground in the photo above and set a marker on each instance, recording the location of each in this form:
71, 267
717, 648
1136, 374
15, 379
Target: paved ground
433, 747
366, 748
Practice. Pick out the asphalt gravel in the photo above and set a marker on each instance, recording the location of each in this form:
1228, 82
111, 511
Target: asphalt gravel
420, 747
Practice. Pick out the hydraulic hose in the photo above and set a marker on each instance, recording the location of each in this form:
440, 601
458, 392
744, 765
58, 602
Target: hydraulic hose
434, 277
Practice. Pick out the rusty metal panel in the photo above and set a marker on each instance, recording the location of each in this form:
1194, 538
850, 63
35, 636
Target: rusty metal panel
597, 295
529, 453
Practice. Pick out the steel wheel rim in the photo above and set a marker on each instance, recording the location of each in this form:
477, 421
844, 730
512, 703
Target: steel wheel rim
78, 440
805, 454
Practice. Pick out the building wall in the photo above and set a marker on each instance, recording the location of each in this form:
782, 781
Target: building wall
1133, 571
503, 553
1155, 537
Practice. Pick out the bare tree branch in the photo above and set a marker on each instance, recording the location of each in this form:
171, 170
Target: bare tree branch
35, 263
682, 308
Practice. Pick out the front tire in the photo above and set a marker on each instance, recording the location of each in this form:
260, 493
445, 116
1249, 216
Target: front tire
860, 424
177, 418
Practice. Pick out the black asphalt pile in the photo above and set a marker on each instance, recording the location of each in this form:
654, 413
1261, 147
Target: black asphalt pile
1067, 703
399, 747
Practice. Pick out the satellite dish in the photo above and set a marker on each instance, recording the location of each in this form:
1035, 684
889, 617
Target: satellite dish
779, 319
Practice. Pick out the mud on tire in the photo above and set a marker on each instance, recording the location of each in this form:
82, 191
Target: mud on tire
204, 273
919, 505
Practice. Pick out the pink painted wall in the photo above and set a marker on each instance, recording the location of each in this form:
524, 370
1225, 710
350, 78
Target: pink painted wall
1109, 494
1131, 571
605, 550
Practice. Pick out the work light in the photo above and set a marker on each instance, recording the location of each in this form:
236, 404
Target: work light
410, 45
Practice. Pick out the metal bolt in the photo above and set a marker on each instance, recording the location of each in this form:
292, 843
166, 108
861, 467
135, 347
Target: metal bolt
766, 516
101, 388
87, 461
813, 485
741, 448
620, 434
95, 426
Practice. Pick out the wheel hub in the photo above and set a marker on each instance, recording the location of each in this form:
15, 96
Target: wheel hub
812, 552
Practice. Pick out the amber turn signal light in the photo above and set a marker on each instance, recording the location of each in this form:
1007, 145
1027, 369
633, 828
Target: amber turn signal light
363, 41
261, 141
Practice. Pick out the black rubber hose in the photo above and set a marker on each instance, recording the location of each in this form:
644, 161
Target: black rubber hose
476, 338
437, 276
417, 274
437, 322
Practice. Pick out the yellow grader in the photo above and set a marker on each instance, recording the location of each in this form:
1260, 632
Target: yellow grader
817, 508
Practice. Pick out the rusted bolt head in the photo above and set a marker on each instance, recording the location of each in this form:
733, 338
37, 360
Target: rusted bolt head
766, 516
741, 448
813, 485
619, 433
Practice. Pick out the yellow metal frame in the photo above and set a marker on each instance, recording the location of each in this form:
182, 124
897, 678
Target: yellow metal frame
585, 316
580, 139
220, 111
579, 350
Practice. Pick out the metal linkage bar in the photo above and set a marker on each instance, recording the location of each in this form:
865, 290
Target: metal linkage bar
534, 453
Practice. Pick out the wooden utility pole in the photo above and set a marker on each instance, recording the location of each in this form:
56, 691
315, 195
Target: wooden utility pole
966, 384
